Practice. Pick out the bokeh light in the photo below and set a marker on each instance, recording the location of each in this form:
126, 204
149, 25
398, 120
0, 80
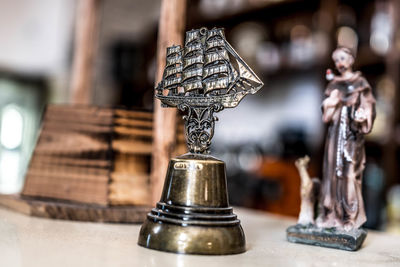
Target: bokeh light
347, 37
11, 127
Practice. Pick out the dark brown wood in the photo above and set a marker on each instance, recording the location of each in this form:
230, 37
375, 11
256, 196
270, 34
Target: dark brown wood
170, 31
63, 210
92, 155
134, 114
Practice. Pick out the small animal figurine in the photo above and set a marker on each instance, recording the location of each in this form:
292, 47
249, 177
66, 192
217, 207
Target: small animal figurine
309, 192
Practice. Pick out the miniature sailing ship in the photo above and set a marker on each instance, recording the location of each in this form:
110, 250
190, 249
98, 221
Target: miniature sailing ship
201, 78
203, 68
193, 215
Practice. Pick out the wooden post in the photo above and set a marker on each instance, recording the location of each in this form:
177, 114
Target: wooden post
170, 31
84, 49
392, 66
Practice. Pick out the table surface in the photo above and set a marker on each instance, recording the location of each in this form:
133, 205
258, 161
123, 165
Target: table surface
30, 241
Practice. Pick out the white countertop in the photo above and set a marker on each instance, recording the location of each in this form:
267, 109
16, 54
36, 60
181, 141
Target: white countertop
30, 241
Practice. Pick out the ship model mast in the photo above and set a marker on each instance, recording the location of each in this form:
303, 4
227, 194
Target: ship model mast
204, 77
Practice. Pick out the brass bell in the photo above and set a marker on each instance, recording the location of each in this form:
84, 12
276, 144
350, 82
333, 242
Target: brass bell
193, 215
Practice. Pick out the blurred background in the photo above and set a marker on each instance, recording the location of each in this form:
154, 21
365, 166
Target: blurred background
288, 43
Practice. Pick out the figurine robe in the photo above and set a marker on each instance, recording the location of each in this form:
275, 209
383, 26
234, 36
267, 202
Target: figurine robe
349, 111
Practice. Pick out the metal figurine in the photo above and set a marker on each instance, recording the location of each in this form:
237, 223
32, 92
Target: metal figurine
200, 79
193, 215
349, 111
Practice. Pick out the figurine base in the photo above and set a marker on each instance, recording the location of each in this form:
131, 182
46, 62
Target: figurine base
193, 215
192, 239
326, 237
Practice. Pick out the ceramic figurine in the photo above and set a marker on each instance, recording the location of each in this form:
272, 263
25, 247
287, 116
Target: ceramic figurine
349, 112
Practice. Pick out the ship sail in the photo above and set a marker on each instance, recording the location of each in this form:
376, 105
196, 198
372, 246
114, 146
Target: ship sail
193, 62
213, 57
194, 85
216, 43
216, 72
219, 83
188, 62
172, 61
195, 72
218, 69
173, 70
203, 68
194, 47
246, 79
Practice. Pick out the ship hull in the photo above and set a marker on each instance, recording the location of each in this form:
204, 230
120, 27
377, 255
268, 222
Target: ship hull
227, 100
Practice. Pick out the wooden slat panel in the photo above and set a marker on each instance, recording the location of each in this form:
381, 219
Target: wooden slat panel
62, 126
62, 187
133, 114
68, 143
78, 110
134, 122
43, 160
131, 164
73, 157
133, 131
132, 146
128, 189
75, 173
96, 120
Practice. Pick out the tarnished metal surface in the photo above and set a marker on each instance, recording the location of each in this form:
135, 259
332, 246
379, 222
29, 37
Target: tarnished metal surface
192, 239
193, 215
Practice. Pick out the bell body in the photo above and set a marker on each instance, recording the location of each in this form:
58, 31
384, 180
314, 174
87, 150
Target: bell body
193, 215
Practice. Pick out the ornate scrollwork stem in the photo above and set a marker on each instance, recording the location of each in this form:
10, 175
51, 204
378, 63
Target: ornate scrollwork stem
199, 126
